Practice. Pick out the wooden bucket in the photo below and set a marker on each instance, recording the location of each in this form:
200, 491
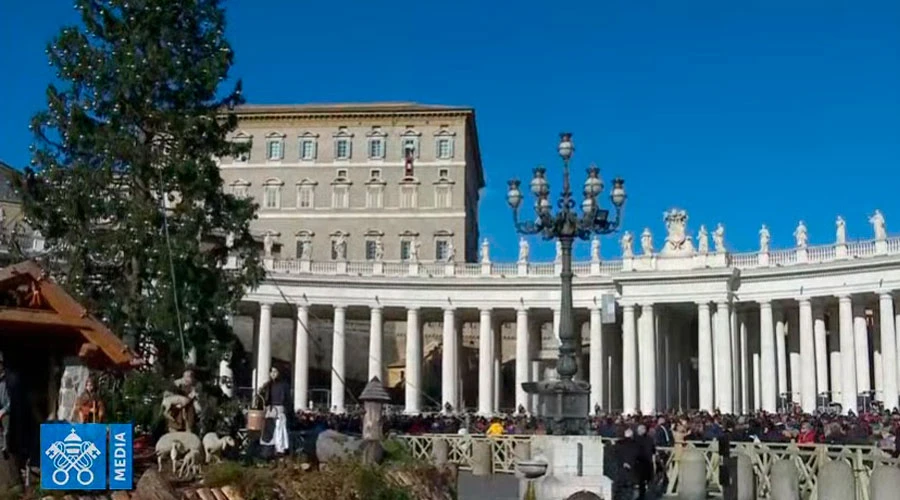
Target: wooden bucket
256, 420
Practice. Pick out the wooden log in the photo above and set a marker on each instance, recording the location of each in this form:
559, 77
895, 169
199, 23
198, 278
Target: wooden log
152, 486
232, 493
218, 494
205, 494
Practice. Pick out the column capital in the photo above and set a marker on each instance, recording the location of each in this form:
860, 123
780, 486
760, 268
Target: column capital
627, 306
886, 294
339, 307
486, 310
449, 309
765, 303
844, 297
376, 307
804, 299
703, 304
301, 306
522, 310
412, 308
265, 305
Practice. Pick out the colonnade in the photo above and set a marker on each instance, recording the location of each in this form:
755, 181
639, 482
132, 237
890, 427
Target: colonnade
734, 356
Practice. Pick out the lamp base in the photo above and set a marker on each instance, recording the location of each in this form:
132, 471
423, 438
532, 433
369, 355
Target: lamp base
563, 405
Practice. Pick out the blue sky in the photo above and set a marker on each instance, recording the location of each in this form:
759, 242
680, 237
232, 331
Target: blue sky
743, 113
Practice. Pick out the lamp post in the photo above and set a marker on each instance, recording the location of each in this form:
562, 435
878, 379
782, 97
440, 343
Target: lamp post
564, 403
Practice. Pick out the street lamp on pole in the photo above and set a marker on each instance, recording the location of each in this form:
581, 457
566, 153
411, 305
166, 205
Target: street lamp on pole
564, 402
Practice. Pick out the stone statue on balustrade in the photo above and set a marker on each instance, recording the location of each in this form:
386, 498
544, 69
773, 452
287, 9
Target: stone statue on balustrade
764, 239
414, 247
878, 224
703, 240
647, 242
304, 249
595, 249
558, 258
524, 249
678, 242
627, 243
268, 244
451, 252
485, 252
229, 239
840, 236
801, 235
379, 249
719, 238
340, 247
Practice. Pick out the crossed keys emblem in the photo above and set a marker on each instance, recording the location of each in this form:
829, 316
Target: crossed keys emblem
73, 453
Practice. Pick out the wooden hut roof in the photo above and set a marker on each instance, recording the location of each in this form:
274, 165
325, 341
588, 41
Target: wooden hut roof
41, 305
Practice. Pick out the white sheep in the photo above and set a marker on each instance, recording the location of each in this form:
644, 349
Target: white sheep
173, 444
213, 445
190, 464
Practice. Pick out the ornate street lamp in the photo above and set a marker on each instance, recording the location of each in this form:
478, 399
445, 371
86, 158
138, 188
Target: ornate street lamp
564, 403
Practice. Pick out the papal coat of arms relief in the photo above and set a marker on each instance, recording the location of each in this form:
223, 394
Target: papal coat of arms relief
678, 242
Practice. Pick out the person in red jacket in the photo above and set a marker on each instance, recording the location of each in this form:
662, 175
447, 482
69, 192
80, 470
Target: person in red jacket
807, 434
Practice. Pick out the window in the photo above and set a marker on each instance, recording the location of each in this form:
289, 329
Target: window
340, 196
441, 249
341, 173
307, 149
339, 246
304, 245
342, 149
243, 138
375, 196
240, 188
410, 147
274, 149
306, 196
405, 246
376, 149
444, 148
375, 174
442, 197
371, 248
272, 197
444, 173
409, 196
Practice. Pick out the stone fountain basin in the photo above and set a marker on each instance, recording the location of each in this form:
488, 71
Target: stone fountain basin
531, 469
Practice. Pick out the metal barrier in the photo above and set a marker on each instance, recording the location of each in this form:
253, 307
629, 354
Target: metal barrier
807, 458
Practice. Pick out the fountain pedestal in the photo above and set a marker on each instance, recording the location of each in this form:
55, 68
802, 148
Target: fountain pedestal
570, 464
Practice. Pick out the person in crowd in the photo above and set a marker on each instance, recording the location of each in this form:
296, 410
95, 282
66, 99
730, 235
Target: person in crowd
625, 453
89, 407
275, 394
645, 459
495, 429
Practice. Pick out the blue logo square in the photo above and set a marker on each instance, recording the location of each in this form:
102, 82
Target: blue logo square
73, 456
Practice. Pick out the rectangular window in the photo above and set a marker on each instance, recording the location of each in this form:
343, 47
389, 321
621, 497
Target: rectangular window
441, 250
370, 249
307, 149
444, 148
272, 197
375, 173
375, 196
444, 173
410, 147
341, 173
342, 149
340, 197
240, 191
242, 157
305, 196
274, 149
335, 255
376, 149
442, 197
405, 246
408, 196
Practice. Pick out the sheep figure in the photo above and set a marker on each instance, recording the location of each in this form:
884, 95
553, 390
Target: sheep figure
213, 445
190, 464
174, 444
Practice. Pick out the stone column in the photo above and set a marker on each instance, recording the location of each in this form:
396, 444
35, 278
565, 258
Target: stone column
807, 357
647, 356
376, 342
705, 357
793, 347
596, 359
264, 351
744, 355
338, 360
861, 344
485, 364
736, 364
834, 356
781, 352
449, 361
888, 350
413, 362
848, 354
821, 340
629, 361
723, 343
301, 359
522, 359
767, 371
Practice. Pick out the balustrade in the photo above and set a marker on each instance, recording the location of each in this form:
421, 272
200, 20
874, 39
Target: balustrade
807, 458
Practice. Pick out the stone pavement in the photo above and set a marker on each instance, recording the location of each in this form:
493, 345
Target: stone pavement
494, 487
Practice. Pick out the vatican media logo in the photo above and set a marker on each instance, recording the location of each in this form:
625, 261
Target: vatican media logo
78, 456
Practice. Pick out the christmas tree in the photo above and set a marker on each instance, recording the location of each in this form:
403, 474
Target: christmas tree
124, 184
